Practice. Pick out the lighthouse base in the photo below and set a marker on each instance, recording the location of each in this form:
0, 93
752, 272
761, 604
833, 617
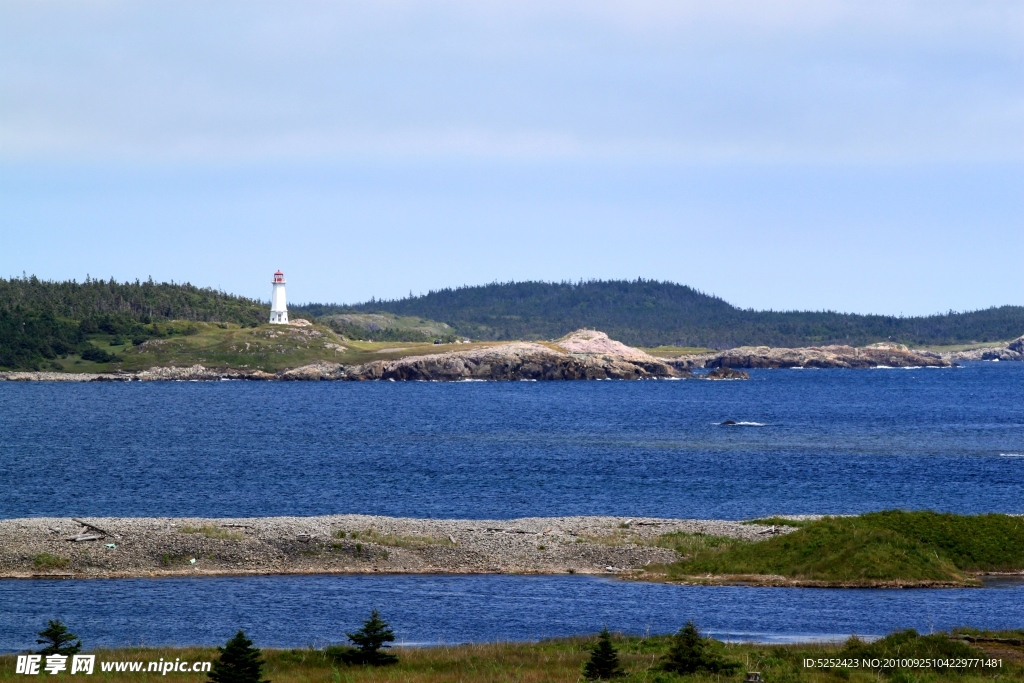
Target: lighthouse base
279, 317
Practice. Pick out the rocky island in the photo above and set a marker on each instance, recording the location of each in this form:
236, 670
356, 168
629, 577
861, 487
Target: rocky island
584, 354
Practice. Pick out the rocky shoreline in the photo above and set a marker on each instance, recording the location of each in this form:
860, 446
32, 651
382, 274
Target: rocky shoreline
584, 354
1014, 351
873, 356
82, 547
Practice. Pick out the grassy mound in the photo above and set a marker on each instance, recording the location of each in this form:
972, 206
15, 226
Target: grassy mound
876, 548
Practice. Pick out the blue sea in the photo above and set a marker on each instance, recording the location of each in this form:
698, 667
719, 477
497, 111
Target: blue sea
807, 441
299, 611
815, 441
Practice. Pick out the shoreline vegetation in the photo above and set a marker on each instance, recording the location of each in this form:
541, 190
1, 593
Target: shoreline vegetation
896, 549
901, 657
145, 330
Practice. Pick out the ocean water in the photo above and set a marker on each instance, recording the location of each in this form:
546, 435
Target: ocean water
809, 441
298, 611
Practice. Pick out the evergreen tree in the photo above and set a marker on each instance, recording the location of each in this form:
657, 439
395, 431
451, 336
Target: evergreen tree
604, 660
57, 640
370, 641
239, 662
690, 653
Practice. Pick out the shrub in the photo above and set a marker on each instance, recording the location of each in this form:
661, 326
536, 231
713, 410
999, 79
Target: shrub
689, 653
56, 640
909, 644
48, 561
92, 353
239, 662
603, 664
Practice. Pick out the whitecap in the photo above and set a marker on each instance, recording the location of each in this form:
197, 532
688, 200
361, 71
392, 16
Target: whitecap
1011, 455
740, 424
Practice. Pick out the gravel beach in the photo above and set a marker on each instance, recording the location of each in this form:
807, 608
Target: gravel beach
87, 547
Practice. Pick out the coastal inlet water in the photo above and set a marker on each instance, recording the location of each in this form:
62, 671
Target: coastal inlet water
810, 441
297, 611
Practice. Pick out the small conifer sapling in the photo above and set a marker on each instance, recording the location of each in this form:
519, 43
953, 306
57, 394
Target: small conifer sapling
239, 662
370, 642
57, 640
603, 664
689, 653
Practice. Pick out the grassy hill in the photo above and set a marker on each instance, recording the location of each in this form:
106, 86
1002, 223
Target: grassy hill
875, 548
649, 313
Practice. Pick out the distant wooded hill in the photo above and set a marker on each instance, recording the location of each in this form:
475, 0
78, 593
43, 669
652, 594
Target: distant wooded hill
650, 313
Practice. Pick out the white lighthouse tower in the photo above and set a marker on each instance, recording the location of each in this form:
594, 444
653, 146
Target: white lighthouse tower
278, 303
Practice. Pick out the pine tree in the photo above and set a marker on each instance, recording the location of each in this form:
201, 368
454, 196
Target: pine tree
690, 653
603, 664
239, 662
57, 640
370, 640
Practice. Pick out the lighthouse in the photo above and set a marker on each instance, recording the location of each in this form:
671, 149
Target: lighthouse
278, 304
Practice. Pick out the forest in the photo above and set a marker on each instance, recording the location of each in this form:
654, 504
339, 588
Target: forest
43, 320
651, 313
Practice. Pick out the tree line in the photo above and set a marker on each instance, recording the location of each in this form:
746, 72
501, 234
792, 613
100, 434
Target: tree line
652, 313
43, 320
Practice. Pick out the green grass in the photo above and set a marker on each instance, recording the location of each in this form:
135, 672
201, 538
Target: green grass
378, 322
270, 348
561, 660
876, 548
673, 351
48, 561
779, 521
687, 544
950, 348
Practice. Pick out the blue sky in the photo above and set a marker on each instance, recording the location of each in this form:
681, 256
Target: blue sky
858, 156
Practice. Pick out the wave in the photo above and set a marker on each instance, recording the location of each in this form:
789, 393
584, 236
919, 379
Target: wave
1011, 455
730, 423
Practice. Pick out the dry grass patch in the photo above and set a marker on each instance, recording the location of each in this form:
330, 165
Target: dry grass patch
212, 532
393, 540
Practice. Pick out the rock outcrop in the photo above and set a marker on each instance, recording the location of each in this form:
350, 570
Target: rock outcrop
876, 355
582, 355
726, 373
1012, 351
585, 354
